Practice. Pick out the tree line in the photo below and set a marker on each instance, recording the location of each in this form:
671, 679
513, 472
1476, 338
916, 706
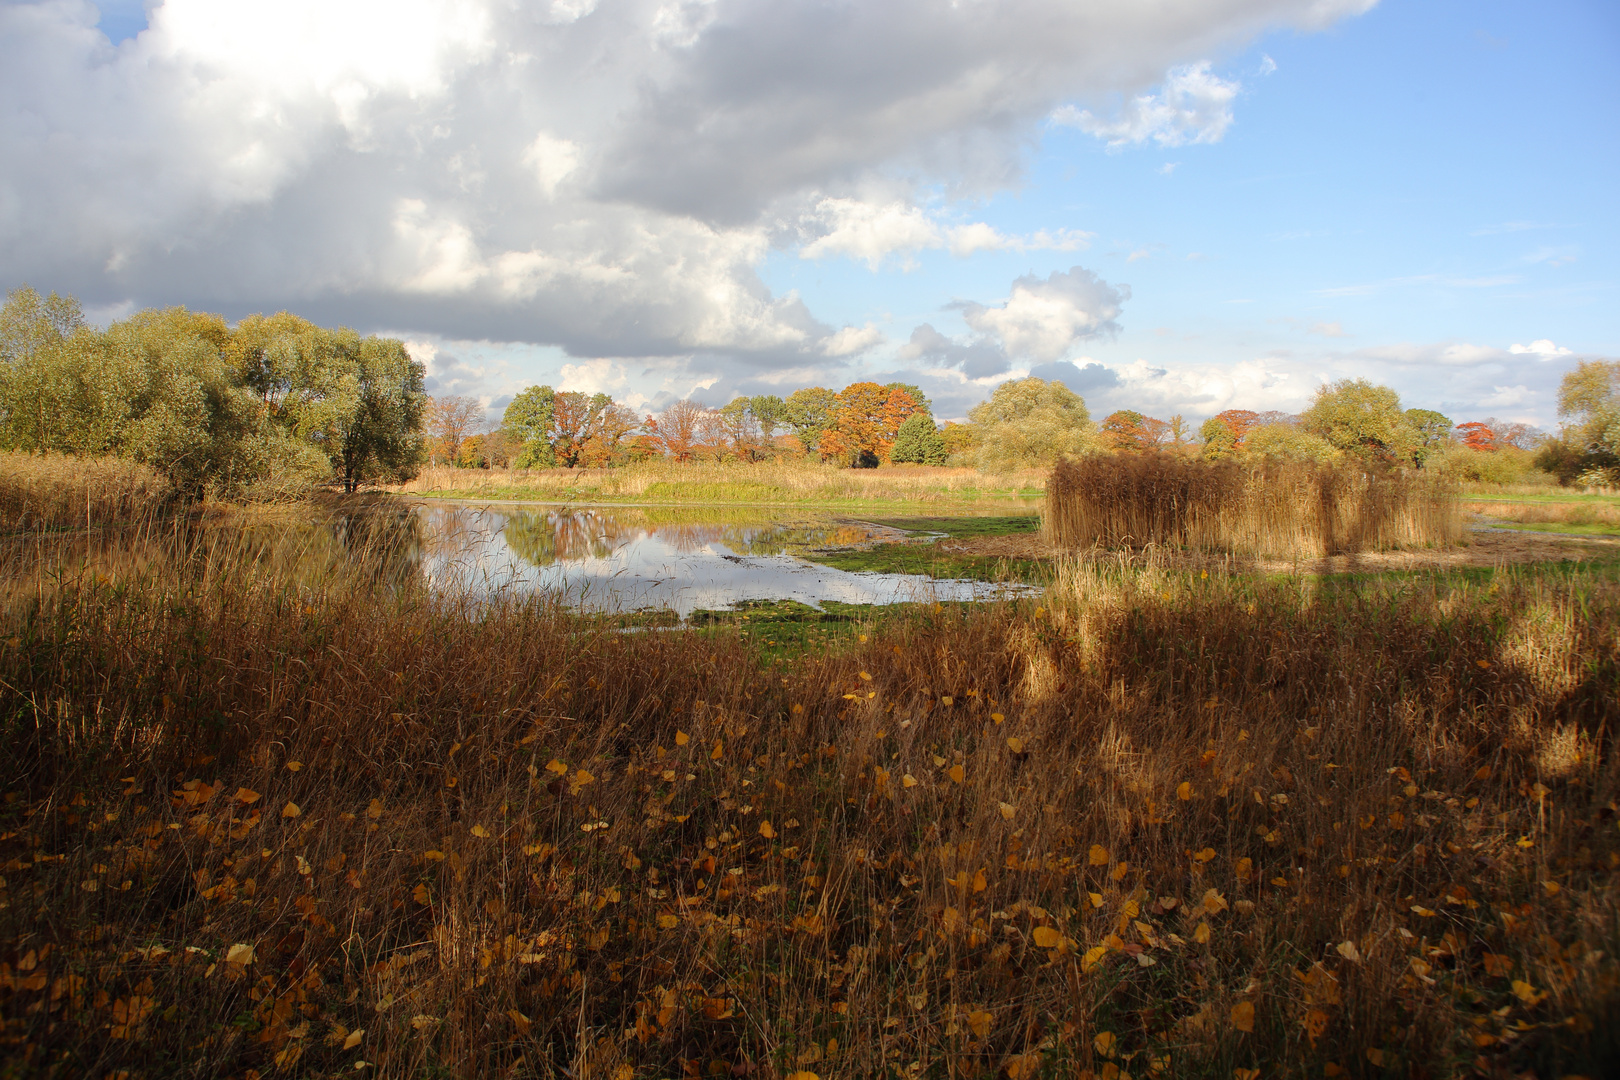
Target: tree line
277, 403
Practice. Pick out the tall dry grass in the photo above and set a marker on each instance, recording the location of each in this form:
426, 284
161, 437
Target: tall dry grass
762, 482
1545, 513
1271, 509
55, 491
1163, 824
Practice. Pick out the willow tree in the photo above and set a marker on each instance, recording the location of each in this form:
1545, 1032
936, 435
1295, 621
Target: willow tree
1032, 422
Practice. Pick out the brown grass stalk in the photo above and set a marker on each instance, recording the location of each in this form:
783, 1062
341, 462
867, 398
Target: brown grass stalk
57, 491
1272, 509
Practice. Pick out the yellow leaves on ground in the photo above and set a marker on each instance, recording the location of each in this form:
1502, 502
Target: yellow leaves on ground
1093, 957
1047, 938
1015, 744
865, 677
908, 781
1241, 1073
523, 1022
1008, 810
246, 796
668, 922
1023, 1066
682, 738
1098, 856
1315, 1022
979, 1023
1213, 902
578, 781
1497, 965
1527, 993
375, 810
1201, 934
240, 954
1106, 1044
1205, 855
1243, 1016
957, 774
802, 1075
1348, 950
290, 810
1184, 791
480, 832
354, 1038
766, 830
718, 752
422, 895
555, 766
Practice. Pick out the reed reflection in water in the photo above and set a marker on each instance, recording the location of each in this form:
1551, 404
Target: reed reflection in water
616, 560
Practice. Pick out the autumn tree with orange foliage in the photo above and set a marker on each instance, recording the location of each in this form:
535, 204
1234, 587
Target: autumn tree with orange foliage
865, 420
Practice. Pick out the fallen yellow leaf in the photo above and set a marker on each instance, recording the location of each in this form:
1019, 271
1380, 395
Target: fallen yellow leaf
1243, 1016
1047, 938
290, 810
682, 738
354, 1038
766, 831
240, 954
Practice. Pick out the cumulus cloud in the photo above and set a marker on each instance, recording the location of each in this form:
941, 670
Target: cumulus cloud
1541, 349
976, 359
1043, 318
602, 176
870, 232
1193, 106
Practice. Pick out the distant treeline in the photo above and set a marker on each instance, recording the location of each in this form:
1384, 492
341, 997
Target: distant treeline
277, 403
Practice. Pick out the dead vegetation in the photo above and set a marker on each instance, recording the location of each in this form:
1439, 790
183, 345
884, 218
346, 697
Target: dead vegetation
1271, 509
46, 491
1168, 823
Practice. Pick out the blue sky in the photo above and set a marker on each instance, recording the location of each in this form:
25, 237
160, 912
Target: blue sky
1224, 206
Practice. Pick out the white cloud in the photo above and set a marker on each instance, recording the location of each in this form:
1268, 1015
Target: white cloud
1328, 329
1540, 348
553, 161
1193, 106
1041, 319
868, 233
851, 340
603, 177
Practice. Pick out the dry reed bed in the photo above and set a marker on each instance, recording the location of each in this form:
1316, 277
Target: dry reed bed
776, 481
1272, 509
1166, 824
1546, 513
46, 491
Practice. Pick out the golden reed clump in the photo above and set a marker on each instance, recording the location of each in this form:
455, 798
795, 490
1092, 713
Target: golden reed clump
1269, 509
61, 491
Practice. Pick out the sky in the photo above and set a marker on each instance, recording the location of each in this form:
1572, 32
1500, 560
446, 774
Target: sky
1179, 208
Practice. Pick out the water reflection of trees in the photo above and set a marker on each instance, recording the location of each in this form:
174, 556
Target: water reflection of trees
545, 537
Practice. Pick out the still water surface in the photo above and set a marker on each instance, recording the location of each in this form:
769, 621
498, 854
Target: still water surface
613, 559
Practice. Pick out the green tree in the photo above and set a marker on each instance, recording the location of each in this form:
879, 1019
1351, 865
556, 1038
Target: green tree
1590, 396
918, 441
1432, 432
1361, 418
1288, 441
809, 413
1032, 422
1219, 440
531, 419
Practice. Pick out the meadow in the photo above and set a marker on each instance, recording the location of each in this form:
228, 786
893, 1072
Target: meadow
799, 482
273, 808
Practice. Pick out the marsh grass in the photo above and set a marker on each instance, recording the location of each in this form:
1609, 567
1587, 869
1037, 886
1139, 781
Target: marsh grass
1586, 513
765, 482
58, 491
1271, 509
273, 807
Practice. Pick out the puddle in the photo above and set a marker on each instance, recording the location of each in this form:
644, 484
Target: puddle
615, 560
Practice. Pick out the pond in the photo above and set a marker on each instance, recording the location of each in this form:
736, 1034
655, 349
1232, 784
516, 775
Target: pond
623, 559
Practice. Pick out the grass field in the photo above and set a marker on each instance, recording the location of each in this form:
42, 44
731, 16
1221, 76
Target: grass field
769, 483
271, 808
